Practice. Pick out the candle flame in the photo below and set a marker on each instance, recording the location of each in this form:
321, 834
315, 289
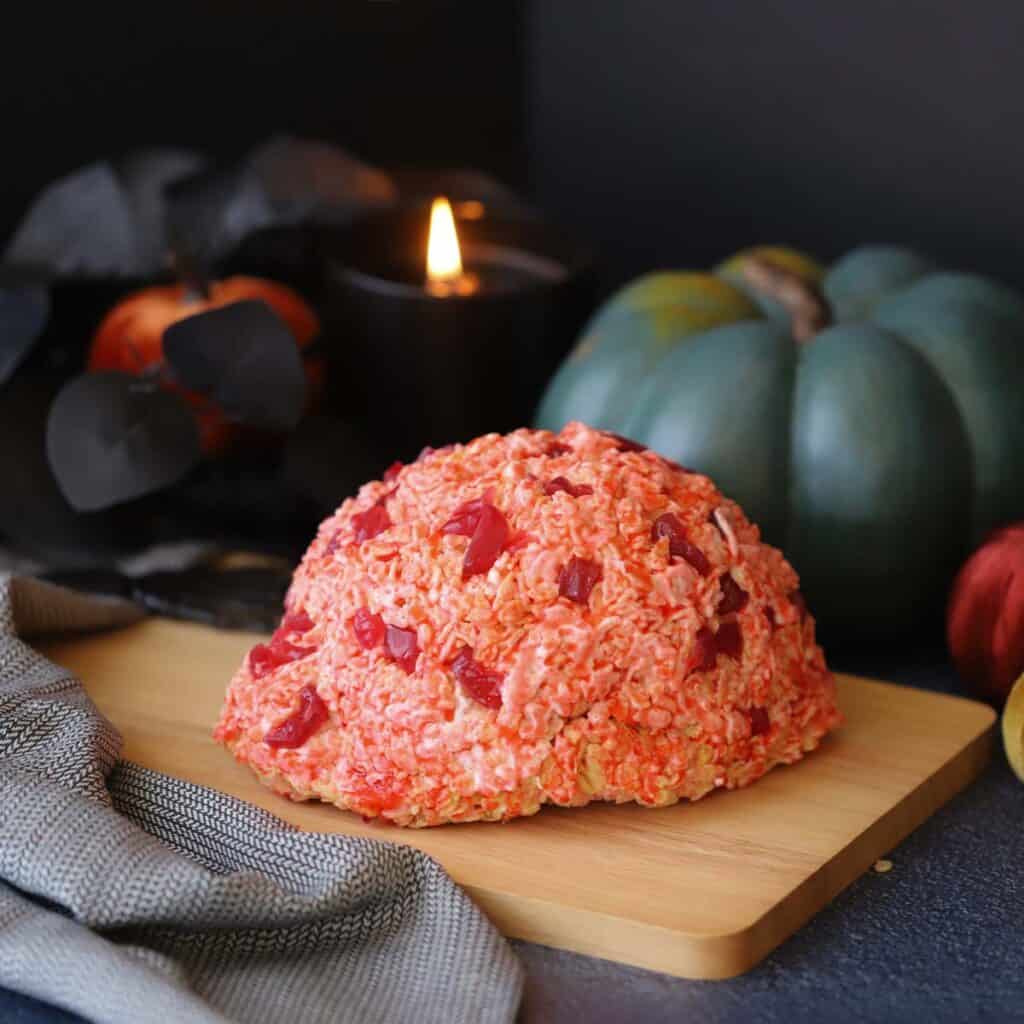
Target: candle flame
444, 261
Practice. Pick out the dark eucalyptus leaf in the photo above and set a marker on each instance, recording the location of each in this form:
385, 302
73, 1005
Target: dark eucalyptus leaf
244, 358
311, 180
111, 438
82, 224
245, 598
34, 514
209, 213
104, 219
282, 182
116, 219
24, 310
145, 176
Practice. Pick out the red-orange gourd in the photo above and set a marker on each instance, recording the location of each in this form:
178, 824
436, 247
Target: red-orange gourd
130, 338
985, 619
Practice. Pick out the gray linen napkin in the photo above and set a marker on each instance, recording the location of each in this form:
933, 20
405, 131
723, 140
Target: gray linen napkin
127, 895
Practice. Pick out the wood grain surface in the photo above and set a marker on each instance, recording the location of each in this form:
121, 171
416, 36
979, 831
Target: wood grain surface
701, 890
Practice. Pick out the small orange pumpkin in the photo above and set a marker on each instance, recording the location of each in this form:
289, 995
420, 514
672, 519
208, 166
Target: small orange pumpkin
130, 339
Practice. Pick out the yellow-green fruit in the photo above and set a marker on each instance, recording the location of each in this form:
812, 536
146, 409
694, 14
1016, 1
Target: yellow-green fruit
631, 332
681, 302
1013, 728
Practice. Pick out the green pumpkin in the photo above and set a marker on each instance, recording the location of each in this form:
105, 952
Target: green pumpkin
874, 451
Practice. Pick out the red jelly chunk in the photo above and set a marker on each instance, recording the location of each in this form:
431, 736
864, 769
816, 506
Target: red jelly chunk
557, 448
296, 622
729, 640
480, 683
578, 578
264, 658
368, 628
261, 661
367, 525
488, 540
667, 525
560, 483
392, 471
464, 519
402, 647
705, 651
695, 557
626, 444
300, 724
801, 605
760, 723
734, 598
769, 614
519, 540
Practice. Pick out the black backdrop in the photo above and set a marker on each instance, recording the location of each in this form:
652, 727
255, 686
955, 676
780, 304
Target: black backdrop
668, 132
434, 83
676, 132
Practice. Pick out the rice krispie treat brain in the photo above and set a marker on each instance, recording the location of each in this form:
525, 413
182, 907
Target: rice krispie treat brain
527, 619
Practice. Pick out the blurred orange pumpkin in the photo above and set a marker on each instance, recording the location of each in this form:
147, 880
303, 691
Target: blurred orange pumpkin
985, 619
130, 339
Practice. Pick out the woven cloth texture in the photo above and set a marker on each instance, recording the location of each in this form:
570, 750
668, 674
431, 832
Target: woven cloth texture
127, 895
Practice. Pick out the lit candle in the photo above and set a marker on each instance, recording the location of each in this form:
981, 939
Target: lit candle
445, 275
452, 319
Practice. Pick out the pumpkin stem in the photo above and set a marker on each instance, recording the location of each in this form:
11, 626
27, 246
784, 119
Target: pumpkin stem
807, 306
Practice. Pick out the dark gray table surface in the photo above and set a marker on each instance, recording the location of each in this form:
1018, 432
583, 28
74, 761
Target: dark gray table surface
939, 938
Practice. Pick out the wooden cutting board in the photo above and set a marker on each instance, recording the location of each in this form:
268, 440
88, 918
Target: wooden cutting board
701, 890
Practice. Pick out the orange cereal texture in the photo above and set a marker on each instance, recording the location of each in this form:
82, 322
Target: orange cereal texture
528, 619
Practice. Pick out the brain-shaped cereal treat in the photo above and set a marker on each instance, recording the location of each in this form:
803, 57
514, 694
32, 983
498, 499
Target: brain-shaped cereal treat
527, 619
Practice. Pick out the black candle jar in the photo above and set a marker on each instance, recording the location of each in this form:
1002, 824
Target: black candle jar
414, 368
